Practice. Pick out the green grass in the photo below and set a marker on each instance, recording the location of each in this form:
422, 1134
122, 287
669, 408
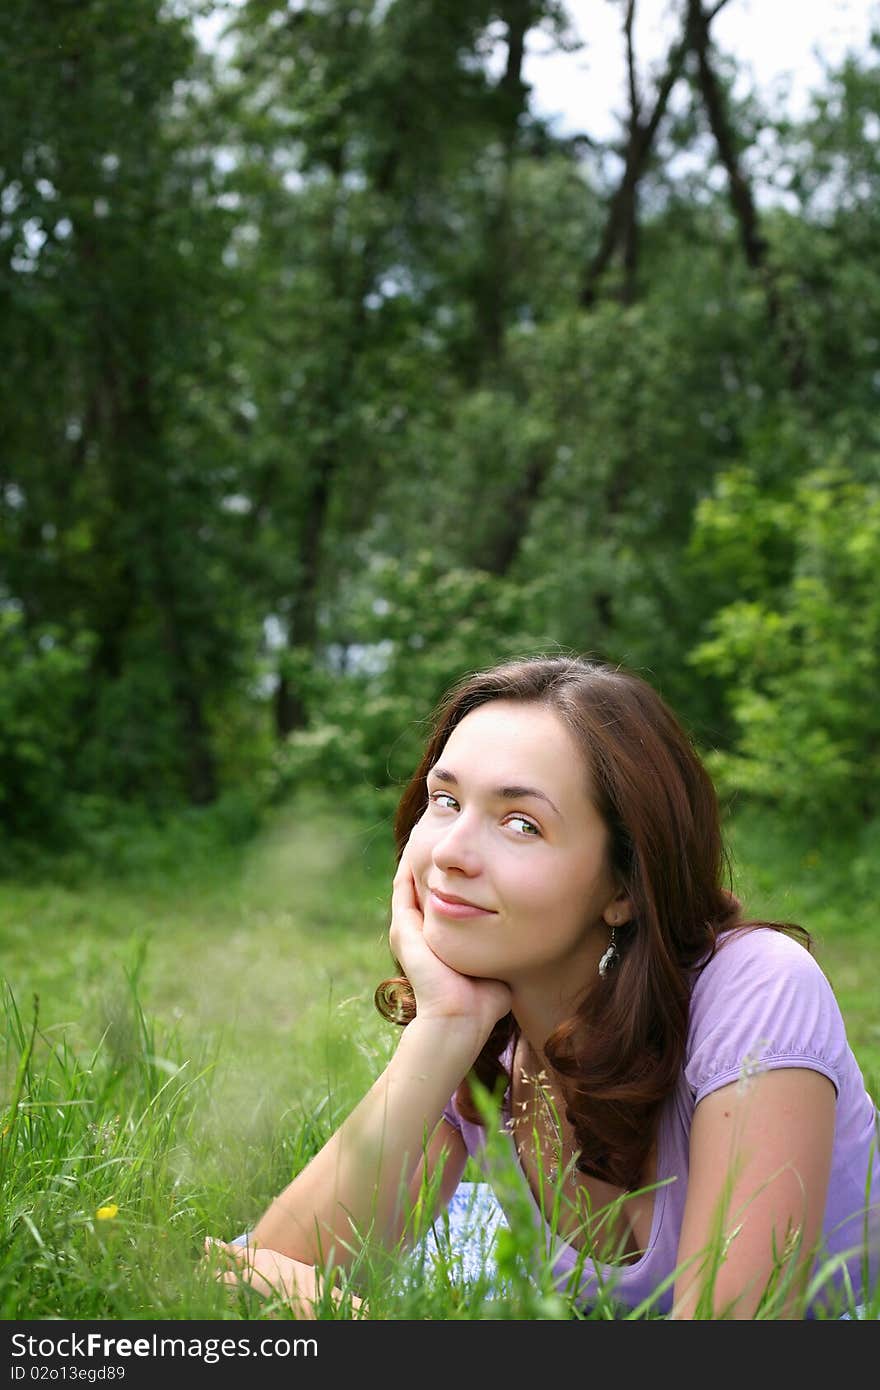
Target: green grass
264, 954
187, 1020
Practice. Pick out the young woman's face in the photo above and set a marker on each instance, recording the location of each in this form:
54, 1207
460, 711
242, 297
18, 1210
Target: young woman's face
511, 830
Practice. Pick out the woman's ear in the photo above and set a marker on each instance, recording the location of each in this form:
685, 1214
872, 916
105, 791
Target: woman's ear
618, 911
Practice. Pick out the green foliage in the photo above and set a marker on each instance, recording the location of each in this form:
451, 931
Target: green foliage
414, 631
306, 412
801, 668
109, 278
42, 689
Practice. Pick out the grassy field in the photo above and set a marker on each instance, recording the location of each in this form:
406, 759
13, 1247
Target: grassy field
204, 1017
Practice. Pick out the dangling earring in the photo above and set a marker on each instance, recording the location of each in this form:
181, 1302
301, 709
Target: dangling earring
611, 958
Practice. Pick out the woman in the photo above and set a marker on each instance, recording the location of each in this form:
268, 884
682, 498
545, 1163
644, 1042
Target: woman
679, 1077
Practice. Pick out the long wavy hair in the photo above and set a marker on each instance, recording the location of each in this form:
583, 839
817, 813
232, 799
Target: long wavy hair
619, 1055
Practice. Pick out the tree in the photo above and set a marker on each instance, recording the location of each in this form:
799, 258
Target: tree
109, 285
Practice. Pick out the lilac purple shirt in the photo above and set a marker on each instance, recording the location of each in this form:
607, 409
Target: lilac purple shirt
762, 1002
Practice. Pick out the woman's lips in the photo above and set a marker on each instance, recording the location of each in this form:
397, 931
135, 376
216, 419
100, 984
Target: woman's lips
451, 909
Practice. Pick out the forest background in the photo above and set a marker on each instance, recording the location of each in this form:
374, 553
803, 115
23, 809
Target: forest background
331, 370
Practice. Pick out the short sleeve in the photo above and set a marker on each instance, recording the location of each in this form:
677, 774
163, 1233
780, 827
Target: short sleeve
451, 1115
762, 1003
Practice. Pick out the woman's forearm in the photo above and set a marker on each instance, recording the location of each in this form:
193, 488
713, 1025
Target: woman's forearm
357, 1183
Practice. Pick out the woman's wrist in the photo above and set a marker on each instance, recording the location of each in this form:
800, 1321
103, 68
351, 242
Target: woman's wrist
431, 1059
448, 1035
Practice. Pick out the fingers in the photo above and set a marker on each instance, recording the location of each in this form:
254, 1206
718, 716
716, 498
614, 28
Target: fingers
403, 894
403, 873
213, 1246
251, 1268
232, 1258
241, 1274
406, 910
235, 1265
266, 1272
228, 1255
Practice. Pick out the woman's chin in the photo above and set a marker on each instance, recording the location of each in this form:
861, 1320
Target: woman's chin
453, 952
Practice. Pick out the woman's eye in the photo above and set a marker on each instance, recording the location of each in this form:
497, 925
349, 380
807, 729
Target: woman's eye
435, 798
529, 827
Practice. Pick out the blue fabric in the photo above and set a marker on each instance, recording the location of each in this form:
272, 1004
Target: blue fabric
464, 1235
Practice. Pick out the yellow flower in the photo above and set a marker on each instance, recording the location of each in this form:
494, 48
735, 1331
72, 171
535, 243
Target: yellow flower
107, 1213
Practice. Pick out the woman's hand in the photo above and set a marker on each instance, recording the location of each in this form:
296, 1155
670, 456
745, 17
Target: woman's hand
440, 991
269, 1272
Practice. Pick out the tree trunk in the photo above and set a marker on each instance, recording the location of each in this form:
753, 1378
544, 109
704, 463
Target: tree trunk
639, 143
742, 201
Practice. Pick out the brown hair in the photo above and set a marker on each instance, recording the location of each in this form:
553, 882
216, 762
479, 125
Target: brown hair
620, 1054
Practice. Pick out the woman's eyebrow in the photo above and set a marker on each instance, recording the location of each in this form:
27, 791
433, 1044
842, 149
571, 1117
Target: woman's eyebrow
512, 793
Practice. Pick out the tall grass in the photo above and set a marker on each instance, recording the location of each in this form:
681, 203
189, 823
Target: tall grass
93, 1171
107, 1195
216, 1043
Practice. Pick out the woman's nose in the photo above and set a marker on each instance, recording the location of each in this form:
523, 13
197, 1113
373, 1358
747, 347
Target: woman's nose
458, 848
